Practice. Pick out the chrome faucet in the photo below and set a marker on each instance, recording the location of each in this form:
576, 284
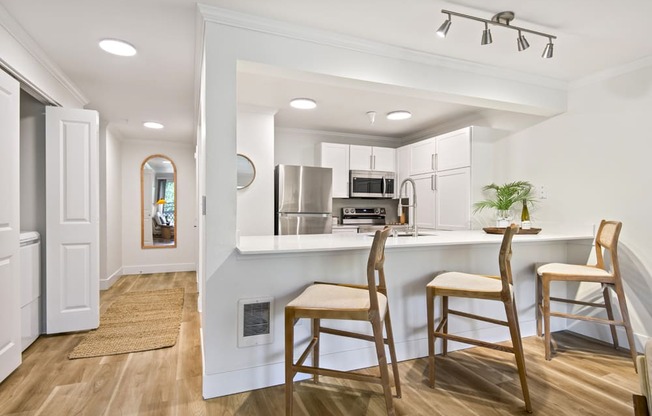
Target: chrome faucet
415, 231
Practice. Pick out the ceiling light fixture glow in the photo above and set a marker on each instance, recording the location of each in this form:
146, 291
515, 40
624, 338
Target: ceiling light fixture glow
502, 19
303, 103
117, 47
399, 115
153, 125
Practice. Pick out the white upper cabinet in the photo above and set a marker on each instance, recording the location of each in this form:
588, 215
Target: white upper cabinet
372, 158
422, 157
336, 157
448, 151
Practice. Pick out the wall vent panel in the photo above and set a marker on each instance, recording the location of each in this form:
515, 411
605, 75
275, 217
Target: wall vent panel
255, 321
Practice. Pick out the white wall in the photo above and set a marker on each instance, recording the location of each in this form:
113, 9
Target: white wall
298, 147
111, 207
134, 258
255, 131
594, 162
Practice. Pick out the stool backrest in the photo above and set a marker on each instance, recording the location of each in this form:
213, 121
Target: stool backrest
504, 260
607, 239
375, 263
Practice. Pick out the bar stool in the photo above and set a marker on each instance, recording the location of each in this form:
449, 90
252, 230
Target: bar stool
473, 286
606, 239
344, 302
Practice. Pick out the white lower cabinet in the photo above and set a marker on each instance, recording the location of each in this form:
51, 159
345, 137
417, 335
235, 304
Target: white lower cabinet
444, 199
453, 199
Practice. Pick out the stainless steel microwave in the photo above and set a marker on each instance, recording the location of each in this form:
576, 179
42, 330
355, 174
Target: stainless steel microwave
371, 184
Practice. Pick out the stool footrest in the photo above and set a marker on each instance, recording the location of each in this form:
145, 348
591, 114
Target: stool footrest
472, 341
587, 318
337, 373
578, 302
479, 318
339, 332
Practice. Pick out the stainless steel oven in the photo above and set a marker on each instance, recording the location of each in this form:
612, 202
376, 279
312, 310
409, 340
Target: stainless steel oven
372, 184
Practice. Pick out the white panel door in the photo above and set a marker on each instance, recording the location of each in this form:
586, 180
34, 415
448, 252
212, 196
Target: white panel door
72, 220
336, 157
360, 157
453, 150
422, 157
384, 159
10, 341
453, 206
425, 190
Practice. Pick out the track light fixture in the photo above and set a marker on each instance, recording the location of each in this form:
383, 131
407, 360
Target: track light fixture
502, 19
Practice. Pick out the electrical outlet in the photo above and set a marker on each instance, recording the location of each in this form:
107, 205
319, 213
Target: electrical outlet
541, 190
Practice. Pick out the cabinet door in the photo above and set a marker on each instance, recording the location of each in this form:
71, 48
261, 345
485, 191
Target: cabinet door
336, 157
453, 202
384, 159
422, 157
453, 150
425, 189
360, 157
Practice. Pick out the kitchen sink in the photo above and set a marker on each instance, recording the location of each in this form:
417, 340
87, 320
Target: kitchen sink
407, 234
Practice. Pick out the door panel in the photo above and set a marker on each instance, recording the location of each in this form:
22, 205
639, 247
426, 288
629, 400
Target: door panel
72, 220
454, 199
10, 338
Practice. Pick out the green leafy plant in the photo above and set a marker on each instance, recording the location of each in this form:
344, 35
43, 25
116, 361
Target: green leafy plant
506, 195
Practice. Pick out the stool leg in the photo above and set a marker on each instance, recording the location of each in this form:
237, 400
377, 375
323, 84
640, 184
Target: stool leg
610, 313
316, 333
444, 315
430, 312
392, 352
512, 320
620, 292
289, 361
546, 316
538, 305
382, 363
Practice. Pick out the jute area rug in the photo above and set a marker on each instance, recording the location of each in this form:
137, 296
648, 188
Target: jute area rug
136, 321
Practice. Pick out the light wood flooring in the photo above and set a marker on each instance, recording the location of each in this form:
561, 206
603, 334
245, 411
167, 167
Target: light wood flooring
584, 378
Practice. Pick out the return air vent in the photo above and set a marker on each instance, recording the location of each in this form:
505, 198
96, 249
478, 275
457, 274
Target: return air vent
255, 321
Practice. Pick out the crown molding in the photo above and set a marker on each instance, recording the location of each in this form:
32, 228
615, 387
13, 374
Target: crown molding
25, 40
612, 72
290, 30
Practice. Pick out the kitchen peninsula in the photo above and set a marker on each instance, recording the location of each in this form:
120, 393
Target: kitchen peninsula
272, 270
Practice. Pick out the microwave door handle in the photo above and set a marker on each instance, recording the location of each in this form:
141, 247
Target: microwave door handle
383, 186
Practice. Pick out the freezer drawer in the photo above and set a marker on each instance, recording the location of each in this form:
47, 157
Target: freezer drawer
292, 224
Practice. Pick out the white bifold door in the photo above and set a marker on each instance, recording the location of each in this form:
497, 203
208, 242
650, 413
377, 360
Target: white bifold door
72, 218
10, 350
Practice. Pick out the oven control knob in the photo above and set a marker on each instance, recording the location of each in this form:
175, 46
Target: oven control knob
377, 211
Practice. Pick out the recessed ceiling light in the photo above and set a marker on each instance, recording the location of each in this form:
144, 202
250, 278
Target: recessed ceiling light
399, 115
303, 103
117, 47
152, 125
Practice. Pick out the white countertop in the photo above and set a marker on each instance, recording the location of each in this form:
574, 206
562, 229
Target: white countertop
337, 242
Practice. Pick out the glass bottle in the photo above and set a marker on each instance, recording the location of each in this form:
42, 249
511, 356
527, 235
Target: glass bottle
525, 217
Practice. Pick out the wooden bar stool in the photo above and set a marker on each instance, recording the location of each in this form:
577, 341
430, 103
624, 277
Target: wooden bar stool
345, 302
473, 286
607, 240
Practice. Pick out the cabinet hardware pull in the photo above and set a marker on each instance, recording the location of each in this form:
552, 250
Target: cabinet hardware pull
432, 161
436, 161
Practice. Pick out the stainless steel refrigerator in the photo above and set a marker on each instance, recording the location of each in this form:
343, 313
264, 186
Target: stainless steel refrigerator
303, 201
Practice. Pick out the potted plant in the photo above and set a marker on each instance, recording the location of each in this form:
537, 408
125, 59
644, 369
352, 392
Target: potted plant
504, 197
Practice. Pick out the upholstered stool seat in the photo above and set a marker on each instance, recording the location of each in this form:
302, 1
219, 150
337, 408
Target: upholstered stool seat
571, 270
471, 284
333, 299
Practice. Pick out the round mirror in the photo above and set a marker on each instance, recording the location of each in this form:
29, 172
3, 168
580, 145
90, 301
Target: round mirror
158, 179
246, 171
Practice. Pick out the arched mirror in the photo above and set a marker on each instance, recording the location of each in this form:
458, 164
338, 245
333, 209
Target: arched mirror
246, 171
158, 202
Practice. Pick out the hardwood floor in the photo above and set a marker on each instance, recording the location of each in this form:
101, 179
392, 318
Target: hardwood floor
584, 378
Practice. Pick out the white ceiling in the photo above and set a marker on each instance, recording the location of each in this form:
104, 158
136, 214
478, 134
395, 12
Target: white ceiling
158, 83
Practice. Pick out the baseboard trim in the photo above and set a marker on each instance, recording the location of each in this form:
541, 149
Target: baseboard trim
105, 284
272, 374
159, 268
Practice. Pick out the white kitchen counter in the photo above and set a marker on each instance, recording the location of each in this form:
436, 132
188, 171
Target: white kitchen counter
336, 242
